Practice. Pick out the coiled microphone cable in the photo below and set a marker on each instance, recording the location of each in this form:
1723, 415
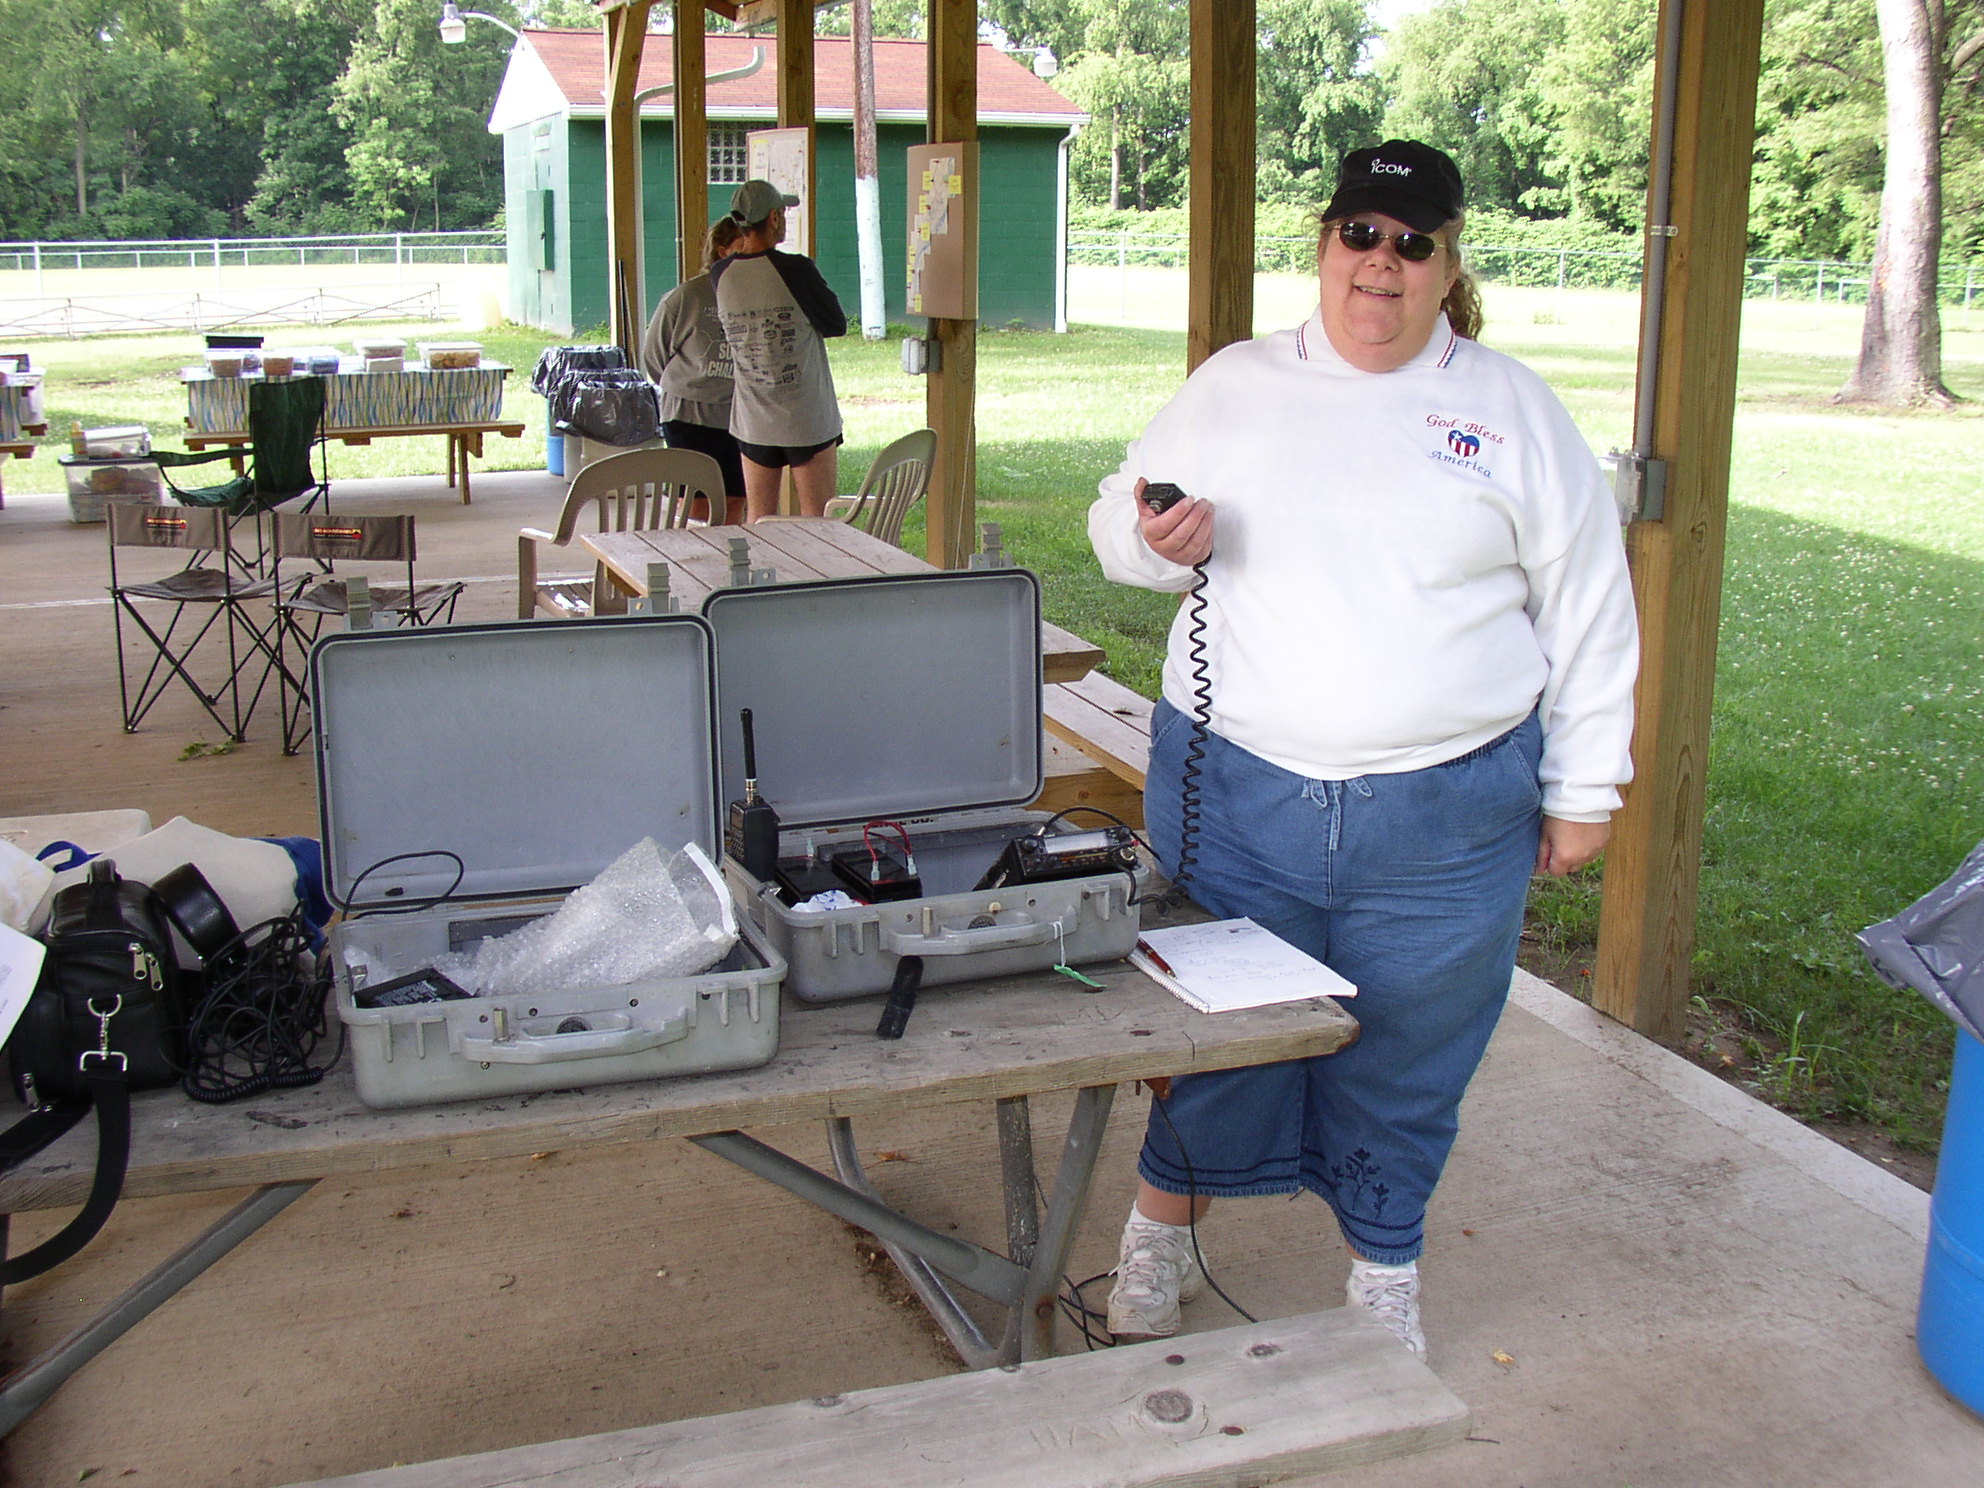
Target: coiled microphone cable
1195, 747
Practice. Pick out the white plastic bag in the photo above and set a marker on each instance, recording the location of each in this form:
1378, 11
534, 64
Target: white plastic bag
643, 917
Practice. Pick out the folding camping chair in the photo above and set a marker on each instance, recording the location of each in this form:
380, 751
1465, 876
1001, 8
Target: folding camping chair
217, 595
285, 423
642, 490
333, 590
899, 476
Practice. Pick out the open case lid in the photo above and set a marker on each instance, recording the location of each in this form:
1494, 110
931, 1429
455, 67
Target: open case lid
538, 751
882, 697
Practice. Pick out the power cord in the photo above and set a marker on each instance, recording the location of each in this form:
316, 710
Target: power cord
1075, 1306
263, 1016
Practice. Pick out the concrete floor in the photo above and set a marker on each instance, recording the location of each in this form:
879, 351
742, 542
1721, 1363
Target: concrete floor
1636, 1274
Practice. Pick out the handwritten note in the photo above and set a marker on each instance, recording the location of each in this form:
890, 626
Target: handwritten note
1231, 964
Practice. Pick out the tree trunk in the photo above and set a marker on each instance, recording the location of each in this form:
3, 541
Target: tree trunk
1115, 160
867, 178
82, 168
1901, 339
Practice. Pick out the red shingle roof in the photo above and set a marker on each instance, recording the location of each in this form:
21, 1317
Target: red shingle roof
576, 61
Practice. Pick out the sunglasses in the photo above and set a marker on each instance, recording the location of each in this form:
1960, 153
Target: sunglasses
1362, 237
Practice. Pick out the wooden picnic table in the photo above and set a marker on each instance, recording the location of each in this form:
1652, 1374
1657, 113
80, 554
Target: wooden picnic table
797, 549
21, 450
1002, 1041
464, 440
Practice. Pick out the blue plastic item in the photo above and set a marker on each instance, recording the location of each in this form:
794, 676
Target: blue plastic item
554, 444
1949, 1326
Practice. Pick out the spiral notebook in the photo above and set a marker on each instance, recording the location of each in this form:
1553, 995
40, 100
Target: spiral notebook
1231, 964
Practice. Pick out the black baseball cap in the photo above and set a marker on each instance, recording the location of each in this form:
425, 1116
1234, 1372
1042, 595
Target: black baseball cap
1415, 183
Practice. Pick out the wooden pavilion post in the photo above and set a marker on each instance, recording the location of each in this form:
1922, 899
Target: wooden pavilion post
1646, 935
950, 398
626, 33
1221, 285
692, 139
795, 100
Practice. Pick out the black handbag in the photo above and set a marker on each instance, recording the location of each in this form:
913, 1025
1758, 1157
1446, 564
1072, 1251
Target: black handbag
107, 1017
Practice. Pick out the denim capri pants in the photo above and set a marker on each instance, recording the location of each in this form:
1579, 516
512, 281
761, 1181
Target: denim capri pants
1409, 885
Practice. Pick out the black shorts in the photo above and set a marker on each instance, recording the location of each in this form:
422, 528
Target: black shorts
775, 455
716, 443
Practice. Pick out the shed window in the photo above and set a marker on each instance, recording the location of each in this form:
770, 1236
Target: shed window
729, 155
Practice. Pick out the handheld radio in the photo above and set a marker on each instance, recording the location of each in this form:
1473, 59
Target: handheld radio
750, 835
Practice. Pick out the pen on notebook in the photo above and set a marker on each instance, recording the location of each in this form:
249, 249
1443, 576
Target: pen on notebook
1152, 956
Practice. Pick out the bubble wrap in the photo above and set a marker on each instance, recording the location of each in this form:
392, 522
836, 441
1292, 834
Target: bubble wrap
642, 918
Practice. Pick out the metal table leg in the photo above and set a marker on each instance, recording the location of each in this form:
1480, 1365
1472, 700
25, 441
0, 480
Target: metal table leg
27, 1388
1027, 1285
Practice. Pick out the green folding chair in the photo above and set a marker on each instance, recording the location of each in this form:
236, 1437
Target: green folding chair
285, 423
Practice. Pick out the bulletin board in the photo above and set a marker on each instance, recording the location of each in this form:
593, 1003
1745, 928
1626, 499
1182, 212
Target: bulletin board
779, 156
943, 231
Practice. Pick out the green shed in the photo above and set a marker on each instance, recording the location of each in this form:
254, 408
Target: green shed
551, 113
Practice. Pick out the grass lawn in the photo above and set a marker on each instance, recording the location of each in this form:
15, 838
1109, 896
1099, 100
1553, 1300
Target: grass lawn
1846, 771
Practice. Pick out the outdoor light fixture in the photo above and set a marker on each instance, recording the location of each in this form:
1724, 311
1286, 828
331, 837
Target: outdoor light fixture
1045, 64
454, 23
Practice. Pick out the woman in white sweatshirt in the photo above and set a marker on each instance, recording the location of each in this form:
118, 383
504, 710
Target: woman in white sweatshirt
1419, 651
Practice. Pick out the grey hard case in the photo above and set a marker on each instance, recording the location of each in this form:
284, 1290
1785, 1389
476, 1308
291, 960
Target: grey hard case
536, 753
916, 700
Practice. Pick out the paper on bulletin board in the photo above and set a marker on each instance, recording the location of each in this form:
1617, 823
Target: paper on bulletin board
943, 232
779, 156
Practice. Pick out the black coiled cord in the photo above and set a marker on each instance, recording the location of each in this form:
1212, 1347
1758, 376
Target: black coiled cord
263, 1016
1195, 747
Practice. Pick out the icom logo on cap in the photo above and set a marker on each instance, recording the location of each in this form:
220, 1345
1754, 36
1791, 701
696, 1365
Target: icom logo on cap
1387, 168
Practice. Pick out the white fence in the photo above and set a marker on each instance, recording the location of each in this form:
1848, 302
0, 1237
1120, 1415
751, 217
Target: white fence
1825, 281
84, 289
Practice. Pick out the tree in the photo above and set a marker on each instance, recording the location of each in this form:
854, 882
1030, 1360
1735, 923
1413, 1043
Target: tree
270, 69
1130, 73
1926, 47
1316, 97
1815, 188
421, 152
1466, 76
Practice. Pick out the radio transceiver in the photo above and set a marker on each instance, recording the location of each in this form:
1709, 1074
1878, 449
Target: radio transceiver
1036, 858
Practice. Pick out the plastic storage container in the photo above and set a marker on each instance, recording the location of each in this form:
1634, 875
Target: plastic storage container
496, 743
225, 361
278, 363
444, 356
120, 442
93, 482
1949, 1325
380, 346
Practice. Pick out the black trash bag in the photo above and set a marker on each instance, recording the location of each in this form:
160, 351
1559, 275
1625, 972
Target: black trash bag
613, 406
1936, 945
556, 362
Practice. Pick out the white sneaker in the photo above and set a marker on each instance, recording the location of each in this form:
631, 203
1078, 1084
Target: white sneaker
1390, 1294
1156, 1271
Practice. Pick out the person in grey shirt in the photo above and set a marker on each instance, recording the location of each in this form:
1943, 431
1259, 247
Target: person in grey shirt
683, 351
776, 311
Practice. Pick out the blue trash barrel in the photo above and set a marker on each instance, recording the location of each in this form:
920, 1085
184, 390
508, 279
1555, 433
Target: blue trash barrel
554, 444
1949, 1326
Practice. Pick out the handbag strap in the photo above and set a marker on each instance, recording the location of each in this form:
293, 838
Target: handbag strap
113, 1155
38, 1128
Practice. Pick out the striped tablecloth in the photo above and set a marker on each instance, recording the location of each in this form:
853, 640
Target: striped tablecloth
356, 399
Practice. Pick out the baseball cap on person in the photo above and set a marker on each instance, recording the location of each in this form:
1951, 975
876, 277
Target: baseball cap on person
1415, 183
754, 201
